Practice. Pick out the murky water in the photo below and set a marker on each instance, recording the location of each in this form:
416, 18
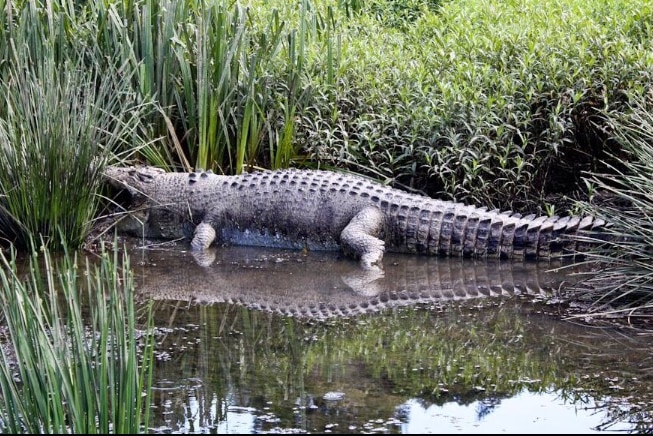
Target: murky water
256, 340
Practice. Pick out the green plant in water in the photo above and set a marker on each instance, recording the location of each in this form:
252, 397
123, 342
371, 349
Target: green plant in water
74, 360
624, 285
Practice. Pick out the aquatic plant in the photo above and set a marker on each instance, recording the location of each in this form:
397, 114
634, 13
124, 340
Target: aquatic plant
623, 286
74, 358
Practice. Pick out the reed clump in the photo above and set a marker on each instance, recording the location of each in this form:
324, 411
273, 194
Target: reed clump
623, 286
74, 357
64, 109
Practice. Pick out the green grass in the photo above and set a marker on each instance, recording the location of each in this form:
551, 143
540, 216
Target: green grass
68, 369
623, 285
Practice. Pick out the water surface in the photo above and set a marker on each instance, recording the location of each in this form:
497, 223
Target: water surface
255, 340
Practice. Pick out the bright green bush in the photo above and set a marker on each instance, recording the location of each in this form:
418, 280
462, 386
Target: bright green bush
497, 103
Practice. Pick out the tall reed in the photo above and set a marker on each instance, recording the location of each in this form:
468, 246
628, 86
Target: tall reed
74, 360
624, 284
228, 78
63, 111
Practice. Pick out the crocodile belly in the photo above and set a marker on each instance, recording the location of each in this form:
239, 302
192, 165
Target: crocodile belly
273, 238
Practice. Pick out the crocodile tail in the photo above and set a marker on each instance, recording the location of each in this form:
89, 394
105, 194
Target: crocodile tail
508, 235
478, 233
555, 237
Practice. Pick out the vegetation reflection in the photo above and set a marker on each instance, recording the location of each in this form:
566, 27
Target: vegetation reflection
454, 354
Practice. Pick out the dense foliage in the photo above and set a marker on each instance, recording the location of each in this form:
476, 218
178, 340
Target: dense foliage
496, 103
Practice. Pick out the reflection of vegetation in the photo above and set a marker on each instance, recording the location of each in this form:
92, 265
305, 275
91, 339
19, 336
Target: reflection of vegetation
73, 362
444, 357
459, 354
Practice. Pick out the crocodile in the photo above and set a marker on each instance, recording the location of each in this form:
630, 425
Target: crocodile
285, 282
328, 210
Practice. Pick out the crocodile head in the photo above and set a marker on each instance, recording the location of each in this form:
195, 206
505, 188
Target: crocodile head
138, 181
133, 215
139, 214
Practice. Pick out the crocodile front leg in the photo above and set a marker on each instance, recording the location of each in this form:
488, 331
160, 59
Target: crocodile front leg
203, 237
360, 238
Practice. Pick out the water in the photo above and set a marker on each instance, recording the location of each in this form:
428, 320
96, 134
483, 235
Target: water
255, 340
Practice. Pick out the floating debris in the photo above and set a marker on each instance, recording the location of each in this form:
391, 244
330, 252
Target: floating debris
334, 396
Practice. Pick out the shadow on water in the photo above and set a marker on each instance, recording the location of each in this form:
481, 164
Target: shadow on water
258, 340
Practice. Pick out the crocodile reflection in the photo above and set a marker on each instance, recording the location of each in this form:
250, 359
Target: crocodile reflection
323, 284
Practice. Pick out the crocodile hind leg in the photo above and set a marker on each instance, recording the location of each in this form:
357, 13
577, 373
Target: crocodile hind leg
360, 238
203, 237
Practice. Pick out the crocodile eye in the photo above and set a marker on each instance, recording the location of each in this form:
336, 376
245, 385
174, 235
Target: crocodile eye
143, 177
